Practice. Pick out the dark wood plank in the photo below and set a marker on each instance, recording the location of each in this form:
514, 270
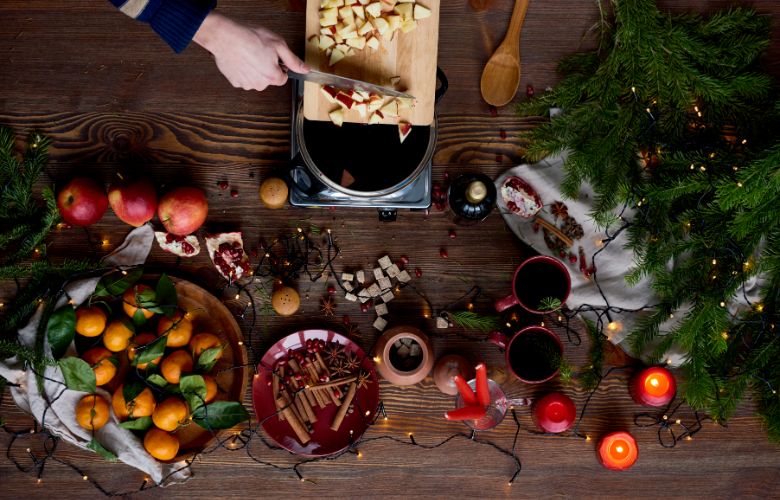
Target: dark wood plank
112, 94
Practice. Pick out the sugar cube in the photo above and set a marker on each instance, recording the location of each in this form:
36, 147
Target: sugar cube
351, 297
442, 322
374, 290
378, 273
347, 277
380, 323
361, 277
348, 286
393, 271
385, 262
381, 309
363, 300
404, 277
384, 283
388, 296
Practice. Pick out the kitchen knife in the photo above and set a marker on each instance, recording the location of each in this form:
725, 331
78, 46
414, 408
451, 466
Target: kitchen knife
344, 83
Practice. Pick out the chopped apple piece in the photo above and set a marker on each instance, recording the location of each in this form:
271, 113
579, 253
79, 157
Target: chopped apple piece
359, 23
365, 29
381, 25
374, 103
374, 9
355, 95
373, 42
359, 43
421, 12
375, 118
338, 38
359, 11
343, 47
345, 100
346, 14
347, 179
365, 2
404, 129
390, 109
405, 103
362, 93
329, 93
326, 42
405, 1
405, 10
337, 117
394, 22
361, 108
336, 56
387, 5
329, 17
345, 29
408, 25
350, 35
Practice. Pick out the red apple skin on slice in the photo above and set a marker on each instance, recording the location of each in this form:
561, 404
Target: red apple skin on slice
466, 413
345, 100
404, 129
469, 398
347, 179
483, 388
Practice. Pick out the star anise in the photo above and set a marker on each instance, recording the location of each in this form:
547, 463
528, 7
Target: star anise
333, 353
338, 370
351, 362
328, 306
352, 330
363, 380
559, 209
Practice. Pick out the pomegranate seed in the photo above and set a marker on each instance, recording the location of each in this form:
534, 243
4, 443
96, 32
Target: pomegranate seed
453, 234
529, 91
493, 111
222, 185
572, 258
234, 193
418, 272
364, 307
331, 290
443, 253
405, 260
345, 319
562, 254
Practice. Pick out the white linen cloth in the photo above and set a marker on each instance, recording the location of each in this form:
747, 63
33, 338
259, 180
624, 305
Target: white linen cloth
59, 418
613, 263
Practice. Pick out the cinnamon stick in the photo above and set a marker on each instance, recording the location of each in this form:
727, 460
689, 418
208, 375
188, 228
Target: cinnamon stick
554, 230
332, 383
297, 426
339, 418
320, 367
313, 380
297, 370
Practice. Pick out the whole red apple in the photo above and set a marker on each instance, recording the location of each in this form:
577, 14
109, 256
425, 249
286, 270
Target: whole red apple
82, 201
134, 201
183, 210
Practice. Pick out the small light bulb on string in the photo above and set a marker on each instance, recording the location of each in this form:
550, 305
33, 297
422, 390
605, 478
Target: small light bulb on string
725, 335
105, 242
722, 304
669, 361
678, 421
671, 316
759, 307
714, 262
703, 168
359, 454
470, 306
688, 438
85, 477
613, 326
692, 167
587, 438
238, 296
40, 481
739, 184
377, 359
665, 417
744, 141
240, 342
124, 273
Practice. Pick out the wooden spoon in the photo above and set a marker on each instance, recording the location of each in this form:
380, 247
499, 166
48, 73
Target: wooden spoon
501, 75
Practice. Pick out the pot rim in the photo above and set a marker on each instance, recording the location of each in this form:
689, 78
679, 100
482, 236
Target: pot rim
312, 166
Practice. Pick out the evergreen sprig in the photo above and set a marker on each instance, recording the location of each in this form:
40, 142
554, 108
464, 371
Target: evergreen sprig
673, 117
474, 321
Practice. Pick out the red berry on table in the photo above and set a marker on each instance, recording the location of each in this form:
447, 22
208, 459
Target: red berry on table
345, 319
561, 254
443, 253
404, 260
234, 193
572, 258
493, 111
222, 185
529, 91
364, 307
503, 134
453, 234
418, 272
331, 290
446, 176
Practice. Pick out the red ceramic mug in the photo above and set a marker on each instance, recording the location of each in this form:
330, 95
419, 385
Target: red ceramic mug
533, 355
534, 280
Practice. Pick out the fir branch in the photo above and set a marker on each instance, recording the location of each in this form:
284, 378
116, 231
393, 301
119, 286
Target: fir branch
473, 321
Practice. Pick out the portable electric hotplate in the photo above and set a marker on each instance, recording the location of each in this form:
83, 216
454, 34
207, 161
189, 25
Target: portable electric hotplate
381, 172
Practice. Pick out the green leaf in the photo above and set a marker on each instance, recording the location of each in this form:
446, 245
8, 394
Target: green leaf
131, 390
157, 380
150, 352
139, 320
100, 450
116, 283
208, 359
78, 375
61, 329
193, 388
220, 415
137, 424
167, 297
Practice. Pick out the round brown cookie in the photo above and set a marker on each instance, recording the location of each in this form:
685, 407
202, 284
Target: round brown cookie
273, 192
285, 301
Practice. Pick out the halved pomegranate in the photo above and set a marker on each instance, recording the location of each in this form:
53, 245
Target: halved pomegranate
227, 253
183, 246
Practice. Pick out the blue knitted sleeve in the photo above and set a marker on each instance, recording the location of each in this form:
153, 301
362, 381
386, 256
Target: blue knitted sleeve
176, 21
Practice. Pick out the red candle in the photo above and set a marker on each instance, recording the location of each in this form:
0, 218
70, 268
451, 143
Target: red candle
655, 387
618, 451
555, 412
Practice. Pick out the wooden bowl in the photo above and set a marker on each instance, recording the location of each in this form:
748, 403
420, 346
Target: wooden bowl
209, 314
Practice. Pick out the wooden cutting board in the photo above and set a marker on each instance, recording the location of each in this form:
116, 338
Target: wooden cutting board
412, 56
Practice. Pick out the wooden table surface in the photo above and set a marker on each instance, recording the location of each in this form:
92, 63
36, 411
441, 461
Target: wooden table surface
110, 93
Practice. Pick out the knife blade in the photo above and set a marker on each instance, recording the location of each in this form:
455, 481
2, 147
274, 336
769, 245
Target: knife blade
342, 82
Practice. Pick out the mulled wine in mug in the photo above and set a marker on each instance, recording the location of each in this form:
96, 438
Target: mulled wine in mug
533, 355
540, 284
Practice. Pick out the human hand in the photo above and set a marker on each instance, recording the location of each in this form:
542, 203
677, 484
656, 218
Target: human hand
248, 57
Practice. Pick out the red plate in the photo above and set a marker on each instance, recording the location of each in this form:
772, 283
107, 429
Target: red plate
324, 441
